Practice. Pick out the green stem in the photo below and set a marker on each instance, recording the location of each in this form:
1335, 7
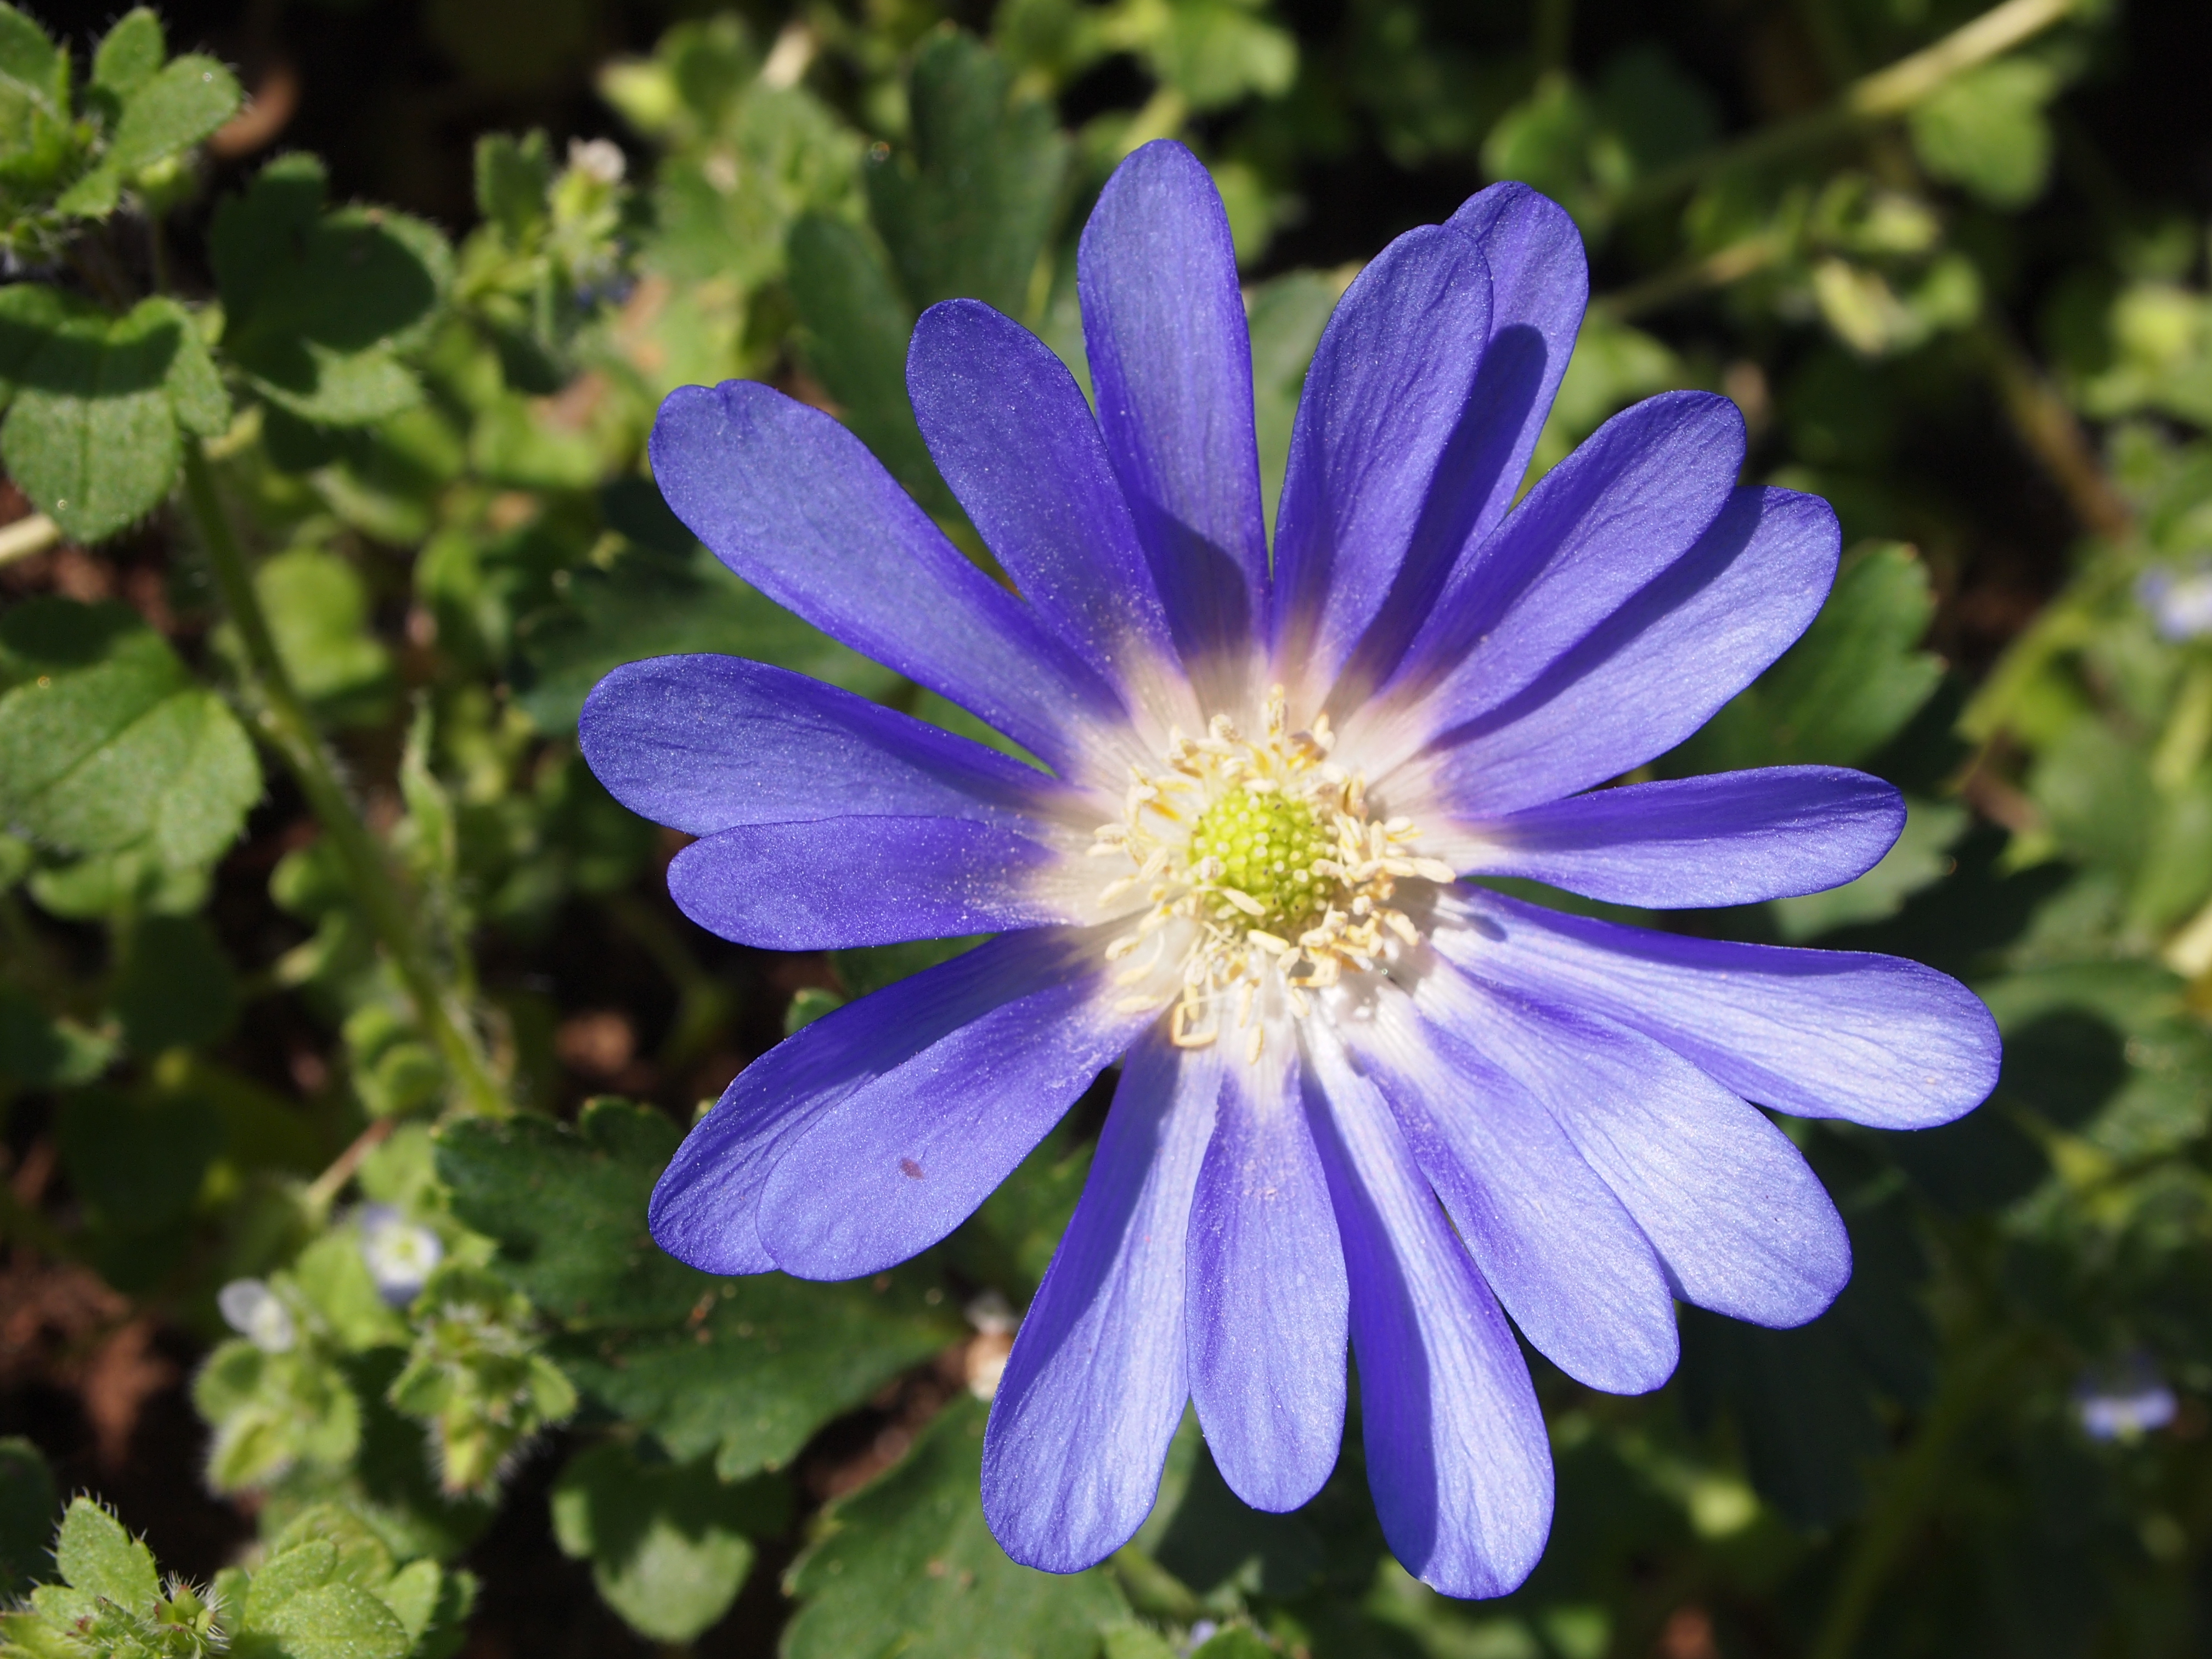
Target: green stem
1885, 94
284, 723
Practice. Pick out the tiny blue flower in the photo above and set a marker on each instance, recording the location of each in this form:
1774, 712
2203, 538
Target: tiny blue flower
400, 1254
2179, 601
249, 1307
1360, 1101
2125, 1404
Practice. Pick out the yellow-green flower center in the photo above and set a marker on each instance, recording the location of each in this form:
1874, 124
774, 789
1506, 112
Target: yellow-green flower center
1266, 844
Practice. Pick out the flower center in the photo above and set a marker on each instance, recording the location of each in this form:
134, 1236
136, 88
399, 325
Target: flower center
1266, 878
1266, 844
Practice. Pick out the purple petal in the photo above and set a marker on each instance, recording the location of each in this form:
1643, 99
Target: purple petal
1171, 365
1877, 1039
1652, 672
1457, 1456
796, 506
837, 883
703, 744
1010, 431
1096, 1382
704, 1206
1741, 1222
1539, 285
1554, 1243
1267, 1288
1633, 499
1730, 838
905, 1157
1388, 385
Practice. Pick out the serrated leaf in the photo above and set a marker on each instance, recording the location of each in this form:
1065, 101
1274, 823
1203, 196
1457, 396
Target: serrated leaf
967, 210
130, 54
1843, 690
567, 1207
29, 58
27, 1516
92, 437
187, 99
670, 1545
511, 178
751, 1367
95, 1554
652, 604
908, 1566
337, 1621
317, 303
106, 745
197, 396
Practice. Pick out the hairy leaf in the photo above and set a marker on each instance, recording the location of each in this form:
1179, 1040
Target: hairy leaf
908, 1567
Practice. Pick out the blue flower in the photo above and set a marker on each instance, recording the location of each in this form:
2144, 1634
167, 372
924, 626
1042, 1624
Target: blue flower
1358, 1100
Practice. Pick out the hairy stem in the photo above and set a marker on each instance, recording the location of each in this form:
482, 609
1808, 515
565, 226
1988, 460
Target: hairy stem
284, 723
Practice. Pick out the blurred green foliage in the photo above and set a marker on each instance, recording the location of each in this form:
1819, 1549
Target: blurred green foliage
323, 948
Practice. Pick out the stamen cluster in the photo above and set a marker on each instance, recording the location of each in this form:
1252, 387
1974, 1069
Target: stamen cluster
1264, 848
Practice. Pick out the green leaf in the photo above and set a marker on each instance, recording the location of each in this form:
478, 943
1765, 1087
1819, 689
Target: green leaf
511, 178
670, 1545
40, 1051
189, 98
647, 602
769, 1361
1843, 690
130, 54
319, 611
138, 1165
29, 58
94, 1554
319, 304
751, 1367
908, 1566
176, 988
27, 1516
1985, 131
196, 395
567, 1207
338, 1286
31, 314
106, 745
966, 210
336, 1621
92, 436
856, 326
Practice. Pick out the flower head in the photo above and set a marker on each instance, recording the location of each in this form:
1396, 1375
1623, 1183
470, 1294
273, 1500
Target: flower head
2179, 601
400, 1254
1359, 1101
2124, 1402
257, 1313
